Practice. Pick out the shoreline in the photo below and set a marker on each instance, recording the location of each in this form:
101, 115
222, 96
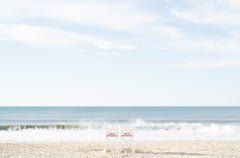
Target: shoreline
146, 149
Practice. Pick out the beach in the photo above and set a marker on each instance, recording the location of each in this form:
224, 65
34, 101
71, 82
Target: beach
159, 132
142, 150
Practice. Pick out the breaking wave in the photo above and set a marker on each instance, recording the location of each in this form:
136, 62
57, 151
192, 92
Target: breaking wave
143, 131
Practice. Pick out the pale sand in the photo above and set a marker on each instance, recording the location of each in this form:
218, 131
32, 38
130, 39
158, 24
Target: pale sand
142, 150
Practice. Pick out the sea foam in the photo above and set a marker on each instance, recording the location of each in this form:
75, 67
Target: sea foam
145, 131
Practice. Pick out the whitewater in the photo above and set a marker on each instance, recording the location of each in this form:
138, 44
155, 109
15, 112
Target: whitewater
151, 124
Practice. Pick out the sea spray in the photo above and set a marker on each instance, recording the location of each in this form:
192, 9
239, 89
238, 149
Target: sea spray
145, 131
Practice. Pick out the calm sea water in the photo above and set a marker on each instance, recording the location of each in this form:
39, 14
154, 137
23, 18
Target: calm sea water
87, 124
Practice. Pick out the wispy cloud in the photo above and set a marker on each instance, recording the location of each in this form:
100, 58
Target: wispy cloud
217, 12
144, 29
110, 15
224, 52
42, 37
201, 63
114, 16
211, 45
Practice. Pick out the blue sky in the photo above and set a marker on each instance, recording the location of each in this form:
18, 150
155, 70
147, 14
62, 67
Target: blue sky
106, 53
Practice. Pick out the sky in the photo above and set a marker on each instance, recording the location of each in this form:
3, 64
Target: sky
120, 53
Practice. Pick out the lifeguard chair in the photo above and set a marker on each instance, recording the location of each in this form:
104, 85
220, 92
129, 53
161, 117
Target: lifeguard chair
127, 140
112, 138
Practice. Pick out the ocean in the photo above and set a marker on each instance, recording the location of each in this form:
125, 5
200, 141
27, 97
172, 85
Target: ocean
87, 124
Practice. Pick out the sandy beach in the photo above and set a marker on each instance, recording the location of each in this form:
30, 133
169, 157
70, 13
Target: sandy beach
142, 150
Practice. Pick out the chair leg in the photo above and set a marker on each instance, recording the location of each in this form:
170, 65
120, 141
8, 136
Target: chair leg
106, 146
127, 144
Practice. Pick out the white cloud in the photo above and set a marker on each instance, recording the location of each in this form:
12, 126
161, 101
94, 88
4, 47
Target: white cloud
109, 54
236, 34
108, 15
224, 53
209, 64
220, 46
151, 28
116, 16
217, 12
212, 53
165, 32
42, 37
201, 63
